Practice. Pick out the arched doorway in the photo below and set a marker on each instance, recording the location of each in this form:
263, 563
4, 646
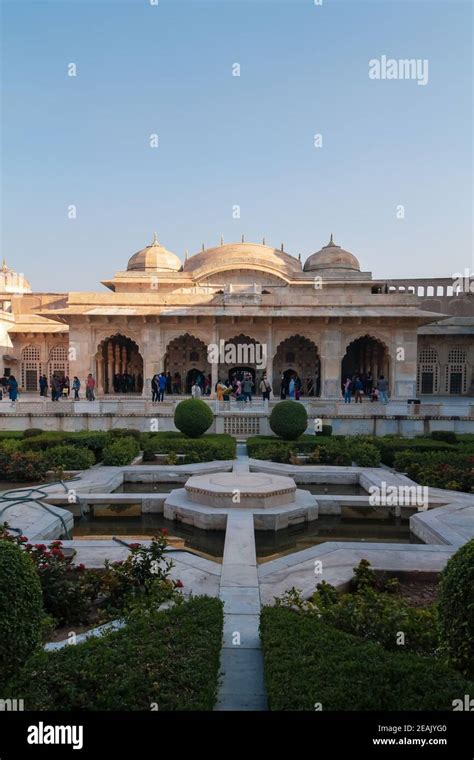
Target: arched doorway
366, 355
242, 354
186, 359
119, 365
298, 356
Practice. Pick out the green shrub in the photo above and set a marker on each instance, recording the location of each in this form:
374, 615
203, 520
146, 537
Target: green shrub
364, 454
21, 609
169, 659
45, 440
95, 441
448, 436
120, 452
449, 469
308, 662
456, 609
205, 449
31, 432
389, 447
193, 417
22, 466
288, 420
69, 458
325, 430
125, 433
332, 452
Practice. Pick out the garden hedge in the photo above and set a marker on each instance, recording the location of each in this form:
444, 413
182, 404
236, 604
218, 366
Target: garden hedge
120, 452
169, 659
308, 663
205, 449
21, 609
456, 609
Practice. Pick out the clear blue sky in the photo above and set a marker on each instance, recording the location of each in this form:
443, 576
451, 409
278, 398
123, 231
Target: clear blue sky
225, 140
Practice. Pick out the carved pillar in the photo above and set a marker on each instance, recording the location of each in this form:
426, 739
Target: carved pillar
331, 358
124, 359
117, 359
100, 374
110, 367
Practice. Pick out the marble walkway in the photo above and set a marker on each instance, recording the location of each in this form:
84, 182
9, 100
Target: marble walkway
242, 681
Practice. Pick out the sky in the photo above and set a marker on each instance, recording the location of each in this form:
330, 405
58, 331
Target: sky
83, 188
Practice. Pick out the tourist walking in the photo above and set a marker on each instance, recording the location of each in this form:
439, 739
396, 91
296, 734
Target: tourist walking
161, 387
347, 390
56, 387
43, 385
12, 390
265, 388
76, 386
155, 388
359, 390
66, 386
382, 387
291, 388
90, 387
247, 386
196, 390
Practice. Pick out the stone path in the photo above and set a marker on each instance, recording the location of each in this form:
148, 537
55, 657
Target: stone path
242, 686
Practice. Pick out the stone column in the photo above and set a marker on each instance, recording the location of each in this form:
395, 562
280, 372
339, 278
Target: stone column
117, 358
214, 365
402, 380
331, 358
110, 367
124, 359
100, 375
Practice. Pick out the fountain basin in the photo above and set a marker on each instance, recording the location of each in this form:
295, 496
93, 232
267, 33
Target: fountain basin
245, 490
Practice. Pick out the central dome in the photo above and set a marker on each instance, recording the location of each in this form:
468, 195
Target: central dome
154, 258
331, 256
242, 256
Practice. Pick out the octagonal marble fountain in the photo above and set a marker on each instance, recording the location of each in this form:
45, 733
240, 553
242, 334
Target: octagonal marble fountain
206, 500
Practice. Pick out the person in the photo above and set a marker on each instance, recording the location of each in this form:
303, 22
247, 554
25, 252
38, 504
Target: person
291, 388
207, 385
12, 389
283, 387
67, 386
265, 388
90, 386
297, 388
369, 383
76, 385
169, 383
347, 390
382, 387
374, 396
43, 384
359, 389
161, 387
155, 388
196, 390
56, 388
220, 388
247, 388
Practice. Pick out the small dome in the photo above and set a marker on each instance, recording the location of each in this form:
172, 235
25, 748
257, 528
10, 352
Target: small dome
331, 256
154, 258
13, 282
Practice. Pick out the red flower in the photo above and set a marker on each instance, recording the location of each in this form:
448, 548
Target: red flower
165, 531
179, 584
134, 546
23, 539
81, 567
40, 547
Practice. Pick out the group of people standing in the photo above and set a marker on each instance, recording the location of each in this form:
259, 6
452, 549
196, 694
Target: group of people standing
364, 385
127, 383
61, 386
158, 387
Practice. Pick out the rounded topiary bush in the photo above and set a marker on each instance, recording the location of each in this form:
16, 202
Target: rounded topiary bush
456, 610
193, 417
31, 432
289, 420
21, 609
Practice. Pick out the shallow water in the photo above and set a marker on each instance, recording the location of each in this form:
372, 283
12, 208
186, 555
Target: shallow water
148, 487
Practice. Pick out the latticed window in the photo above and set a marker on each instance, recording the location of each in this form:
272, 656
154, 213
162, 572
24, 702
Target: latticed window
58, 361
428, 371
30, 368
456, 371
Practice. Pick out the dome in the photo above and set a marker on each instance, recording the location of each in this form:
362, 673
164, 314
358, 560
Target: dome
154, 258
13, 282
331, 256
242, 255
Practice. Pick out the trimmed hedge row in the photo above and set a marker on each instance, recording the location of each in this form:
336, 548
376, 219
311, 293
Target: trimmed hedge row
330, 450
204, 449
168, 658
309, 663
